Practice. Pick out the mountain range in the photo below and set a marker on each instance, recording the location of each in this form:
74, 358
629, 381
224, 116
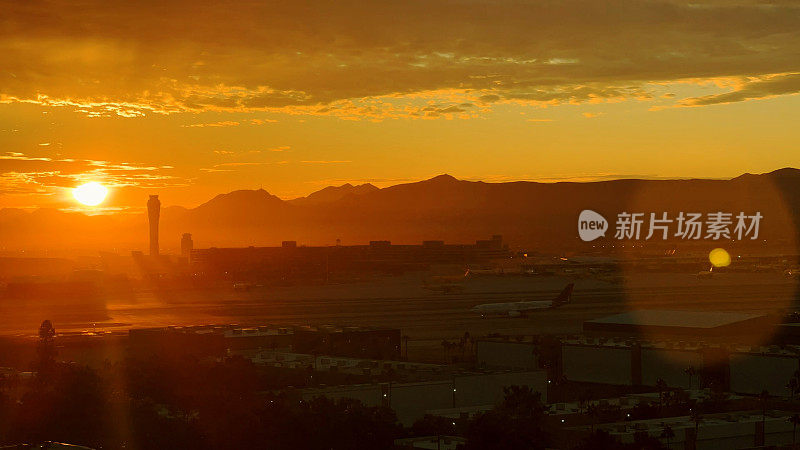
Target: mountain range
529, 215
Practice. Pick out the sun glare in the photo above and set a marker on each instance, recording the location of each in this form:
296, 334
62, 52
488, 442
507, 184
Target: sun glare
90, 194
719, 257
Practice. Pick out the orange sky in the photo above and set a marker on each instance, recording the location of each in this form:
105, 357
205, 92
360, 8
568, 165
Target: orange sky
190, 99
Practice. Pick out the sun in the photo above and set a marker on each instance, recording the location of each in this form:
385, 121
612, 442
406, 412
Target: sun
90, 194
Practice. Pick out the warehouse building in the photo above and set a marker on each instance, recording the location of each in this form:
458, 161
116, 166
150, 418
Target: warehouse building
494, 354
687, 364
411, 401
218, 340
705, 325
744, 429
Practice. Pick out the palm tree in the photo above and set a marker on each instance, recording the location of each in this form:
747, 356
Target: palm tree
697, 418
668, 433
583, 399
46, 349
763, 397
446, 345
794, 384
593, 412
463, 343
470, 341
794, 420
662, 387
691, 371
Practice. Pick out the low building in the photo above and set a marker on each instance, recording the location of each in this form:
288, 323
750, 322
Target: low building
359, 342
756, 369
341, 364
599, 361
219, 340
297, 261
744, 429
44, 446
706, 325
411, 401
430, 442
494, 354
680, 363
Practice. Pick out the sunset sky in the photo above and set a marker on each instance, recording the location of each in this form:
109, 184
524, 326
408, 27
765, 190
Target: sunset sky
191, 99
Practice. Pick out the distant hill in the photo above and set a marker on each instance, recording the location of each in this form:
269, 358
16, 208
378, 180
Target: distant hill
528, 214
334, 193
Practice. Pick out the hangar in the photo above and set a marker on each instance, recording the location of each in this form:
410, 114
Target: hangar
688, 324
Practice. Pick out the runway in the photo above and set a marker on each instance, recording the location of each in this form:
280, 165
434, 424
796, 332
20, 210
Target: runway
428, 317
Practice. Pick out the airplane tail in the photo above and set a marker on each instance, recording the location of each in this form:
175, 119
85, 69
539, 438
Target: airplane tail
565, 296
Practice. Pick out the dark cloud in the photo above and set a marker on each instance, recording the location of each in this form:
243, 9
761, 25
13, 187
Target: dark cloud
751, 90
133, 58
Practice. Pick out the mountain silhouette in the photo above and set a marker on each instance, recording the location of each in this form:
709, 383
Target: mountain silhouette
529, 215
334, 193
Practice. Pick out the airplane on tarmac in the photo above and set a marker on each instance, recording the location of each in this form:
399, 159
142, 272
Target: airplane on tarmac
521, 309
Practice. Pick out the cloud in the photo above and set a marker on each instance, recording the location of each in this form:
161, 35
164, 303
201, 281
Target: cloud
326, 162
590, 115
24, 174
279, 149
376, 61
751, 89
239, 164
226, 123
16, 156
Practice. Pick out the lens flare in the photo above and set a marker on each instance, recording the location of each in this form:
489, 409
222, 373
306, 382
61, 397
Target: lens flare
90, 194
719, 257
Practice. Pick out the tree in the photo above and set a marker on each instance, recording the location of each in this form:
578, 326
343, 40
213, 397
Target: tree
517, 422
446, 346
599, 440
594, 413
763, 398
691, 371
433, 426
662, 388
602, 440
583, 399
73, 406
793, 384
667, 433
46, 350
467, 343
643, 441
343, 424
697, 418
794, 420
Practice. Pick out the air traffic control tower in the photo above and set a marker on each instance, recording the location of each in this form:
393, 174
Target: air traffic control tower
153, 213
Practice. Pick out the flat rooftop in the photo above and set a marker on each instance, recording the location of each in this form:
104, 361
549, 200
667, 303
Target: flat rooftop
681, 319
731, 326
